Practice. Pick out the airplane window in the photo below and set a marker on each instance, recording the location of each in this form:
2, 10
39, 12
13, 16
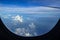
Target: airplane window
29, 21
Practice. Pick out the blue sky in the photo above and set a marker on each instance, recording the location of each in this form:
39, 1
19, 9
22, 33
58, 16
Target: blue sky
25, 3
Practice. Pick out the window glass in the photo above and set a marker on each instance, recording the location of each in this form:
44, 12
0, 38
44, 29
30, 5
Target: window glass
30, 18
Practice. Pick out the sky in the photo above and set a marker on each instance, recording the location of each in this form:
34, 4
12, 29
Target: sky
30, 3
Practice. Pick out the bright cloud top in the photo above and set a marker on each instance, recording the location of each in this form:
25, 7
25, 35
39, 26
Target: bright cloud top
18, 18
38, 9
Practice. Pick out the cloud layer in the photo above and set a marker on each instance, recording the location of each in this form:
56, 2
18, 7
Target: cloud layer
38, 9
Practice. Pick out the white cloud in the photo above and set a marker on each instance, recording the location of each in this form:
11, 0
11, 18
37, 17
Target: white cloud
37, 9
32, 25
28, 34
18, 18
22, 32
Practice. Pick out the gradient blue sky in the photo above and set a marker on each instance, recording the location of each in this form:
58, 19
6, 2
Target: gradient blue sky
24, 3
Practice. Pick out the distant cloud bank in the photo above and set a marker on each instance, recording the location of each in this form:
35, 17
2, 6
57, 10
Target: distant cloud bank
38, 9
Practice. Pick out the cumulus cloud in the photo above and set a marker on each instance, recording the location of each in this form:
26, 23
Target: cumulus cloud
22, 32
18, 18
28, 34
38, 9
26, 31
32, 25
